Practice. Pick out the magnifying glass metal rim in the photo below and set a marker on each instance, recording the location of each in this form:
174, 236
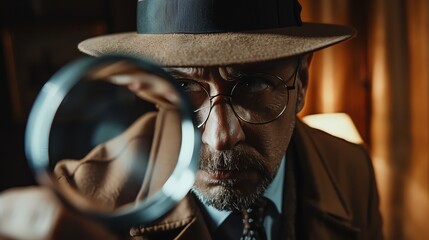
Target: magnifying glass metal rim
42, 116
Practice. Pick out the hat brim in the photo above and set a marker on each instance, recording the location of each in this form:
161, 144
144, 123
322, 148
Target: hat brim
217, 49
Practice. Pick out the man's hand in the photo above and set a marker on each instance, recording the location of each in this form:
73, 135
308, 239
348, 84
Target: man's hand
36, 213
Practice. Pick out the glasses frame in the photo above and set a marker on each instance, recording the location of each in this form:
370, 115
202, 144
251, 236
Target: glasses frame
229, 96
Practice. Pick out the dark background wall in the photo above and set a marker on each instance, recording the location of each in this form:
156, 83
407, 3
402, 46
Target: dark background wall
37, 38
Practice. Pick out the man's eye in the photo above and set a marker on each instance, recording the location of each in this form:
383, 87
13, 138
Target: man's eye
256, 85
189, 86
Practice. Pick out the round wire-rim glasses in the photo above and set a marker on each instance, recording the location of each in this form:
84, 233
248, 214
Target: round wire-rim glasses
277, 91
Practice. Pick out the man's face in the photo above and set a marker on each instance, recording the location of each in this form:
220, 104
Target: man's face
239, 159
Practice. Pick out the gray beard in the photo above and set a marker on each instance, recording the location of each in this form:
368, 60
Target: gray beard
230, 194
230, 198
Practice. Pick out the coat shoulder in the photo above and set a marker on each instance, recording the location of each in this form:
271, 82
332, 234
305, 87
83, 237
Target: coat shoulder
348, 167
340, 156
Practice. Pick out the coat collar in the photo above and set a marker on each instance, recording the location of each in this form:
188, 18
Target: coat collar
184, 220
316, 183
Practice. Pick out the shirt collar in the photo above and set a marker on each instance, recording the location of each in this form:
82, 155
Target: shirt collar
274, 192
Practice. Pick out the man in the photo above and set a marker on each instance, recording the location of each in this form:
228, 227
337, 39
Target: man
244, 65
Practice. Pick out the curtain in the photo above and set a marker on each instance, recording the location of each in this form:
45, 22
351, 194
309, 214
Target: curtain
381, 79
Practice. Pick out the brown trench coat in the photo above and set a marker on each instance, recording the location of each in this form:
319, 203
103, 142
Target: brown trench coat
329, 193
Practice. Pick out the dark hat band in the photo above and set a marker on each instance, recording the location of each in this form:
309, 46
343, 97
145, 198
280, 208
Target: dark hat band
208, 16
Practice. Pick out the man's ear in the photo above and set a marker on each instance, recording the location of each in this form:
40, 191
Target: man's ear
302, 81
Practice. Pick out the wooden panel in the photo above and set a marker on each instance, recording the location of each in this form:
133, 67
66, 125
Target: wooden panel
338, 76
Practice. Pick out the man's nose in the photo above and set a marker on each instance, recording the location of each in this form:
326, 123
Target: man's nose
222, 130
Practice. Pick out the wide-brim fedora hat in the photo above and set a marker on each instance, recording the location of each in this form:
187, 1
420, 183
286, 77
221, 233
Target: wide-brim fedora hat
186, 33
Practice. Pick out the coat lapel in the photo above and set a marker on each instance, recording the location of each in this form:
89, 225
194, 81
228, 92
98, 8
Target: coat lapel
320, 203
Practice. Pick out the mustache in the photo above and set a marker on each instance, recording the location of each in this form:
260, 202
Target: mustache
237, 159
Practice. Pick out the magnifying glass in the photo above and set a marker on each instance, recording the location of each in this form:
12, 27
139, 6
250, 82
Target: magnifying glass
114, 137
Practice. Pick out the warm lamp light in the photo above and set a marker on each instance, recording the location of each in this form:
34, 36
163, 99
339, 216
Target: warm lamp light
337, 124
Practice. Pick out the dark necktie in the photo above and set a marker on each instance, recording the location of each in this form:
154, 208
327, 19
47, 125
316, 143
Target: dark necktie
253, 221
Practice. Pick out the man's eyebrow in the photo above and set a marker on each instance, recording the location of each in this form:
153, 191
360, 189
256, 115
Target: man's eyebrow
175, 73
194, 73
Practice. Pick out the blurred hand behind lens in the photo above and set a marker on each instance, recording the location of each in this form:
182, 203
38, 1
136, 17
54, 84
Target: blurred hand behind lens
36, 213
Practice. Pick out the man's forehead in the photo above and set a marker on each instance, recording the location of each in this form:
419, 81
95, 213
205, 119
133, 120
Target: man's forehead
280, 65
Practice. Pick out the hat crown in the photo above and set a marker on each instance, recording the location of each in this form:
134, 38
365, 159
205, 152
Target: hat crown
207, 16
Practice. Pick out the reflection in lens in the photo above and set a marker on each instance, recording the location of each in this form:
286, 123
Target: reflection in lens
93, 112
115, 138
202, 113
